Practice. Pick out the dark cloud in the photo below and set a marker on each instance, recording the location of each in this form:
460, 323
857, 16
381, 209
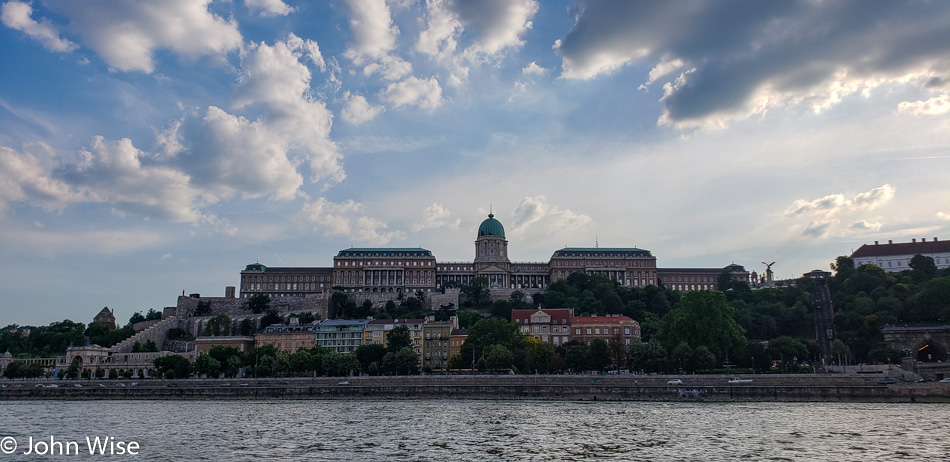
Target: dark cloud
738, 49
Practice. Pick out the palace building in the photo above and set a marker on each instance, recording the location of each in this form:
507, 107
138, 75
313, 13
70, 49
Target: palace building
408, 270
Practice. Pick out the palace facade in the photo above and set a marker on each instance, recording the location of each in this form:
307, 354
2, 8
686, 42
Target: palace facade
408, 270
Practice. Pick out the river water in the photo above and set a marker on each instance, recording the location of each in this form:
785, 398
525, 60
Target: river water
475, 430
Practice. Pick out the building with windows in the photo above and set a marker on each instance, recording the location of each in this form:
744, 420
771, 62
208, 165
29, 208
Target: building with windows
286, 337
893, 257
341, 336
436, 337
549, 326
612, 328
407, 271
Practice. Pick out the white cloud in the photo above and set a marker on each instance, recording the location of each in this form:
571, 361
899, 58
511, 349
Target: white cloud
427, 94
535, 210
933, 106
28, 177
126, 34
837, 203
943, 215
16, 15
269, 7
273, 76
166, 256
373, 31
436, 216
494, 25
357, 110
533, 69
748, 58
347, 219
823, 212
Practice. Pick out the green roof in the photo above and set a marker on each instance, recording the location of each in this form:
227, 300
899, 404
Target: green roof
384, 252
601, 252
491, 227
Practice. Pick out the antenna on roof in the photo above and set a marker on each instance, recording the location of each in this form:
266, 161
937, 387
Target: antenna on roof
596, 242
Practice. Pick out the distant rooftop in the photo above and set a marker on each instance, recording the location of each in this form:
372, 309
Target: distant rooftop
901, 248
601, 252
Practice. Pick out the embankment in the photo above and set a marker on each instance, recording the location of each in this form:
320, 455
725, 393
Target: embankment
540, 387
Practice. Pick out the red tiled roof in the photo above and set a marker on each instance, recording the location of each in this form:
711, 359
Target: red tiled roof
599, 319
901, 248
556, 314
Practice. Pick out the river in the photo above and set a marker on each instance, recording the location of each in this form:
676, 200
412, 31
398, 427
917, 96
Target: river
473, 430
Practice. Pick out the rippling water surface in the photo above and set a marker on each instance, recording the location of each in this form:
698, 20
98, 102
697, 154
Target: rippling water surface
487, 430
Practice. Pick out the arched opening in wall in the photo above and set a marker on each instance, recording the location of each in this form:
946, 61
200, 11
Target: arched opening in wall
141, 374
931, 352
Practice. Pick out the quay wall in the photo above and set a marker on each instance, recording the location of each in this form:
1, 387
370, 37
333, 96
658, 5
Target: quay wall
555, 387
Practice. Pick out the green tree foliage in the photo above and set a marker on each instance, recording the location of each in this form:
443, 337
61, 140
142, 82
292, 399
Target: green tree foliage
257, 303
100, 334
398, 338
788, 350
487, 332
598, 355
246, 327
370, 357
649, 357
173, 367
23, 370
476, 293
703, 318
538, 357
217, 326
467, 318
576, 357
498, 357
207, 366
44, 341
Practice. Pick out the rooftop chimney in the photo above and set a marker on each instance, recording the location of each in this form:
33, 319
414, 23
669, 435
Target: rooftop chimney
875, 242
913, 240
890, 241
935, 239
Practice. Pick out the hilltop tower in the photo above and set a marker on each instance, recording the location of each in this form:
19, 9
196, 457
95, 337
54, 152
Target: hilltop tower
491, 253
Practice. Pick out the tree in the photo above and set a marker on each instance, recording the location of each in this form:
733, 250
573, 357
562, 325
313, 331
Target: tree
498, 357
576, 357
217, 326
467, 318
703, 318
136, 318
208, 366
490, 331
398, 338
153, 315
537, 355
647, 357
476, 293
173, 366
923, 268
257, 303
369, 354
246, 327
788, 350
599, 355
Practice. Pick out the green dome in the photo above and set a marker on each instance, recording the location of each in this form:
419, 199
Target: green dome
491, 227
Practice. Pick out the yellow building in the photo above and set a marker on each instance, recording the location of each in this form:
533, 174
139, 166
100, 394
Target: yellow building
284, 337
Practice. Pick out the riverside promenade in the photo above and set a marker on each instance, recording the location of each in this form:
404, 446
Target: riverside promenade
827, 387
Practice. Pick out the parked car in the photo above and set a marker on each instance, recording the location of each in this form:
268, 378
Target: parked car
675, 382
946, 380
738, 380
888, 381
343, 382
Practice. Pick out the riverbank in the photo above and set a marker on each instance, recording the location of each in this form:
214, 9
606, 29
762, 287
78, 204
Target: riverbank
538, 387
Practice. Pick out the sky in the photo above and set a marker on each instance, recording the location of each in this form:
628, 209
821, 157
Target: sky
152, 148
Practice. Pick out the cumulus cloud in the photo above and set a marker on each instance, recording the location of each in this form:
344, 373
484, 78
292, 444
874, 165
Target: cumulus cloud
494, 25
749, 56
535, 210
374, 34
436, 216
17, 15
837, 203
823, 212
347, 219
943, 215
533, 69
274, 76
427, 94
357, 110
28, 177
933, 106
269, 7
126, 33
